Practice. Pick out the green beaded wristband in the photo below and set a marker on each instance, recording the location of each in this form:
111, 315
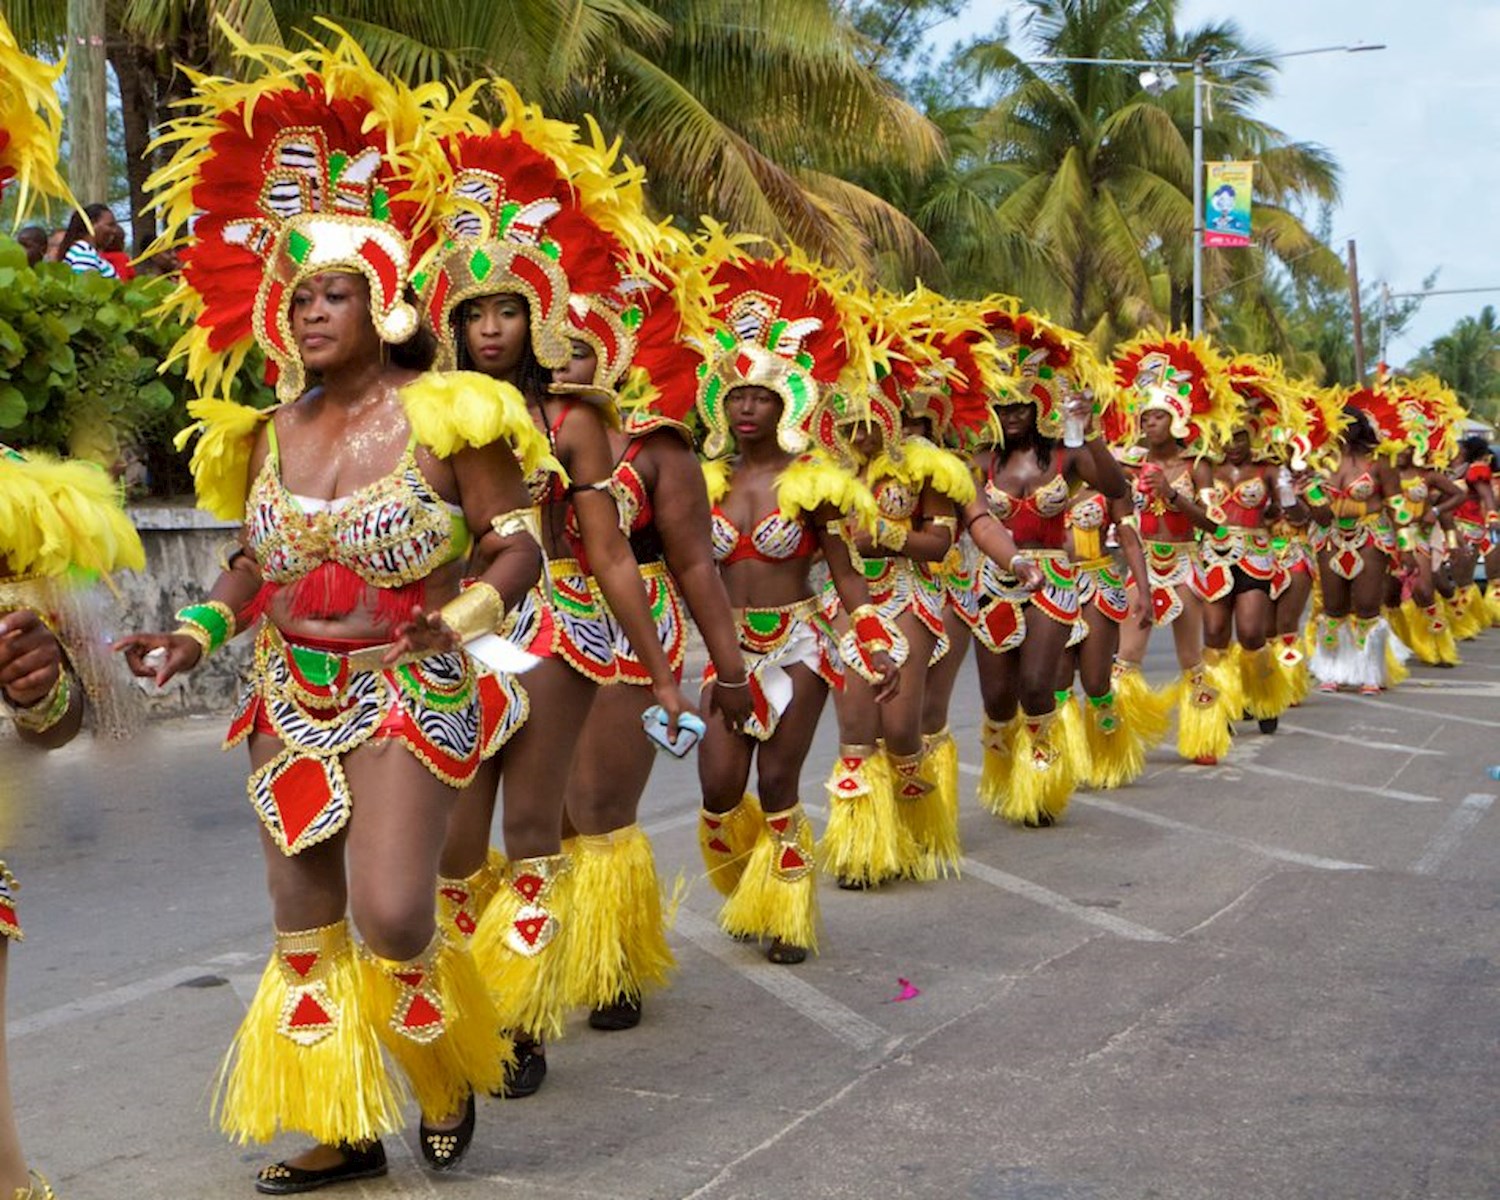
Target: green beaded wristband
215, 619
49, 710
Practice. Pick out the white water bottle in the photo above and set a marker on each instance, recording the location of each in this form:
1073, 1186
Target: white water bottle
1075, 423
1286, 495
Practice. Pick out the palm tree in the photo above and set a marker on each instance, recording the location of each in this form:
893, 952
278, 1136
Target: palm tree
752, 113
1098, 174
1467, 359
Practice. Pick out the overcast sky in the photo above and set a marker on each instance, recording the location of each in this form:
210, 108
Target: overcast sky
1415, 129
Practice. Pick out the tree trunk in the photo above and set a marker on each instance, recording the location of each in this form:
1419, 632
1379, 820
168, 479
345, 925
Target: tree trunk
88, 131
134, 69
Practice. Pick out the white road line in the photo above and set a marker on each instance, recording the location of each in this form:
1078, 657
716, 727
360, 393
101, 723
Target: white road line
1371, 702
127, 994
1037, 894
1363, 743
1364, 789
1451, 835
1276, 852
793, 991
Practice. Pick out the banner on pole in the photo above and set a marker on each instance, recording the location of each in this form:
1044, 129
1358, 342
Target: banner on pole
1226, 220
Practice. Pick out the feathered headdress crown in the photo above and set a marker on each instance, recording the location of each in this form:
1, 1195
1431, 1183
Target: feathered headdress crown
30, 126
1182, 376
534, 211
1050, 362
1277, 423
778, 324
306, 169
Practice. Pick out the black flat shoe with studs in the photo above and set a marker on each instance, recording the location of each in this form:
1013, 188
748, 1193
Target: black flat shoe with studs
359, 1162
442, 1148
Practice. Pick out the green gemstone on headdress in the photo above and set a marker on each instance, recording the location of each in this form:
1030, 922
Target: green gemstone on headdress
725, 338
1185, 389
804, 360
796, 383
337, 161
380, 204
298, 245
631, 318
773, 334
419, 281
508, 212
480, 264
1044, 372
551, 249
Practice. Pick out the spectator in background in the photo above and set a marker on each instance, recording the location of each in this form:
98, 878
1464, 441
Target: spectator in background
110, 242
54, 246
80, 247
33, 240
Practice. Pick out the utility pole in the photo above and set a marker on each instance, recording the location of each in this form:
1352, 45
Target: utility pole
1198, 84
88, 159
1359, 326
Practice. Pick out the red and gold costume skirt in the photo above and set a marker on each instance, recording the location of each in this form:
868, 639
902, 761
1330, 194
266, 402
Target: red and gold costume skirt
323, 698
773, 640
999, 621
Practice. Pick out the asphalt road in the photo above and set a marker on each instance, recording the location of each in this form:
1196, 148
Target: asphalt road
1275, 978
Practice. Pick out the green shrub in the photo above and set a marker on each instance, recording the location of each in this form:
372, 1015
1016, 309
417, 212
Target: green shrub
81, 354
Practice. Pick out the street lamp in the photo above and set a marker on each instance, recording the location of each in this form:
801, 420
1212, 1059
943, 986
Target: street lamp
1157, 77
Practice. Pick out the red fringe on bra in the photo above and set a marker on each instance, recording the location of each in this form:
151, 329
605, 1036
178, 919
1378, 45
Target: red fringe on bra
332, 590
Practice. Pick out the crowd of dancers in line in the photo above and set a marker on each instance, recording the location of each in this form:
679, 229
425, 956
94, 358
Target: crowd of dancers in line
525, 432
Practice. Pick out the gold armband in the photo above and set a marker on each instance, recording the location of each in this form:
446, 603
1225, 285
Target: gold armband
520, 520
210, 624
1451, 537
474, 612
891, 534
50, 709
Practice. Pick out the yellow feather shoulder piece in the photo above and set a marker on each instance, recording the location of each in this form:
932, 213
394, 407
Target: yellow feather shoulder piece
57, 516
927, 465
452, 410
220, 464
716, 474
813, 480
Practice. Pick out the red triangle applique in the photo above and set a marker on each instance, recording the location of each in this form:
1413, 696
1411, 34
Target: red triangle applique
464, 922
422, 1013
791, 859
528, 887
718, 846
308, 1014
412, 979
456, 895
302, 962
530, 929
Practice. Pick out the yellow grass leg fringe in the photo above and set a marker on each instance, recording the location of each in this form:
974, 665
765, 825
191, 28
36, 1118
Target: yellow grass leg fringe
1117, 754
461, 902
864, 841
439, 1024
942, 750
617, 945
1202, 715
1043, 776
777, 894
519, 945
1266, 689
307, 1056
725, 839
928, 817
999, 741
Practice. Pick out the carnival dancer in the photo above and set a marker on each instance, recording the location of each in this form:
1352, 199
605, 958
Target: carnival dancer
1238, 569
60, 523
1174, 396
888, 815
1412, 436
363, 497
533, 216
1354, 540
781, 340
1116, 745
1019, 519
636, 341
1475, 521
1291, 530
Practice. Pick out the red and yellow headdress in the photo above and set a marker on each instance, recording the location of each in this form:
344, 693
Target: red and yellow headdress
1433, 417
1179, 375
1323, 407
1277, 423
308, 168
1380, 408
30, 127
1050, 362
778, 323
534, 211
